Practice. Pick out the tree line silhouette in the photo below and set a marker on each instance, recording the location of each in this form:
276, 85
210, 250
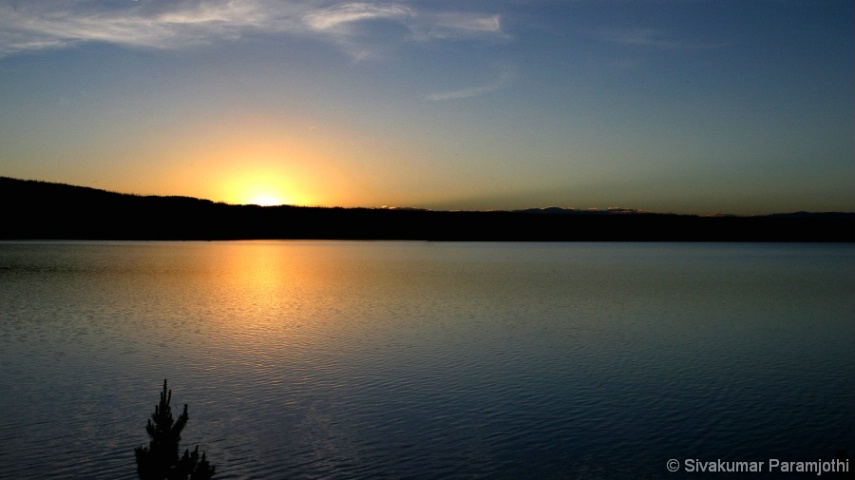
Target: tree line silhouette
41, 210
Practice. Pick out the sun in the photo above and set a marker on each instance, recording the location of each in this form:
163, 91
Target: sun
266, 200
262, 189
261, 185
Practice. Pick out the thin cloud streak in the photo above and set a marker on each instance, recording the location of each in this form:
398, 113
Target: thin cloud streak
353, 12
505, 79
458, 26
44, 24
652, 38
40, 24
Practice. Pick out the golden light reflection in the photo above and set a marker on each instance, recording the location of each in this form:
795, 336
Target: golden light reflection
262, 289
272, 298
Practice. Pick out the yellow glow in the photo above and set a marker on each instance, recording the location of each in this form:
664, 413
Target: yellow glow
262, 187
258, 160
266, 200
259, 178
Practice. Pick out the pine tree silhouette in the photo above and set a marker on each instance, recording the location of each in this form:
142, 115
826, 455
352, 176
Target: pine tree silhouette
160, 460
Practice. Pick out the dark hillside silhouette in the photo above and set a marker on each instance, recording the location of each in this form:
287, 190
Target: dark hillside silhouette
41, 210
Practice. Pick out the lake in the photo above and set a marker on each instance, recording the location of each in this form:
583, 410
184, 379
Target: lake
392, 360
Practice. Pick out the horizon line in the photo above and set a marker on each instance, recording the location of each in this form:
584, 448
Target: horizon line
552, 209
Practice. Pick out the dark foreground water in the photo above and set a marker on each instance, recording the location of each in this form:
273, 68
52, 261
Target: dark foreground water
385, 360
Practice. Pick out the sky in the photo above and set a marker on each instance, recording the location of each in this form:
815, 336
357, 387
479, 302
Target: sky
686, 106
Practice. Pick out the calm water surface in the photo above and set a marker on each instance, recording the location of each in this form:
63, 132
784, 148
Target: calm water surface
388, 360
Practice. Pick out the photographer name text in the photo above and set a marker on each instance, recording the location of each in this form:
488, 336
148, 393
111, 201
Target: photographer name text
772, 465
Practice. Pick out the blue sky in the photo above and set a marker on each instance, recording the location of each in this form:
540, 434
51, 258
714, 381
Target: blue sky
664, 105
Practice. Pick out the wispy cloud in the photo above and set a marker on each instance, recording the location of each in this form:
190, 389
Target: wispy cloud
458, 26
652, 38
347, 13
173, 24
347, 24
504, 79
43, 24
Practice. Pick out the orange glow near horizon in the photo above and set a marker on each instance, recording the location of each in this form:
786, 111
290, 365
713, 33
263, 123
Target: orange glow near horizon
267, 200
265, 163
249, 166
262, 187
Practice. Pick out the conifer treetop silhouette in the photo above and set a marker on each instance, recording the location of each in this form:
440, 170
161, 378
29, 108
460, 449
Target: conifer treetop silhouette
160, 460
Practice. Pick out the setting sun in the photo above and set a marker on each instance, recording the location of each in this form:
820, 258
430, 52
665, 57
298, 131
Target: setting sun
266, 194
266, 200
262, 185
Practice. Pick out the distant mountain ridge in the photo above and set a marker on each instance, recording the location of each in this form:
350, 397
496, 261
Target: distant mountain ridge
581, 211
41, 210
